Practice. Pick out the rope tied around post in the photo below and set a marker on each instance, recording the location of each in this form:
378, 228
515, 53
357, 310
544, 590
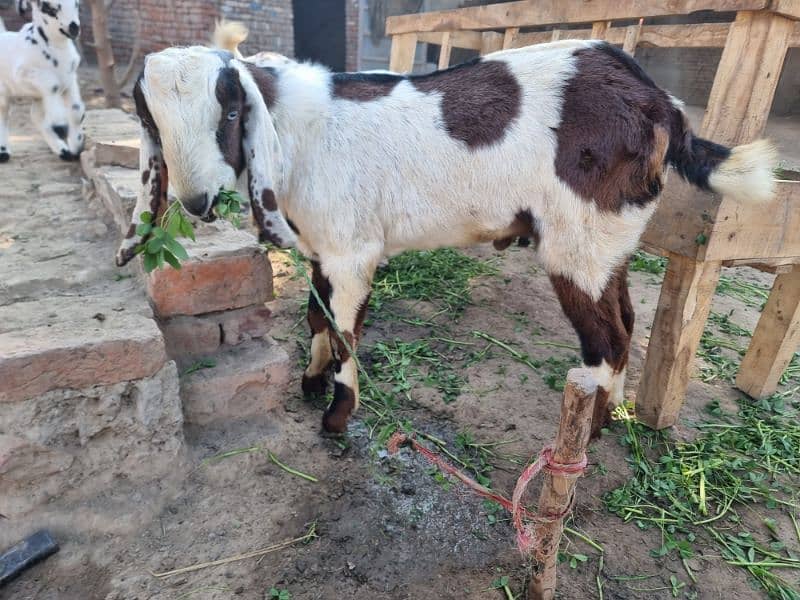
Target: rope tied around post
527, 537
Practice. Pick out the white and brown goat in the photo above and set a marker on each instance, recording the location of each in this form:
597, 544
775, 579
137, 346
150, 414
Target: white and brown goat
565, 143
40, 62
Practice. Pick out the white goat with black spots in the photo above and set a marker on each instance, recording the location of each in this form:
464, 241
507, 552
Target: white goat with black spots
40, 62
565, 143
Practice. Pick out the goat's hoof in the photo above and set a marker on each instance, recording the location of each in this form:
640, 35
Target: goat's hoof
598, 424
4, 157
68, 156
314, 386
334, 424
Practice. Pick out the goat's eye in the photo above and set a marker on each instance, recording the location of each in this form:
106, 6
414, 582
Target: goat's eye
233, 115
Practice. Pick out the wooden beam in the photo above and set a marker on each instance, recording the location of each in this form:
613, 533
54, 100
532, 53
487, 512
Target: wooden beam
775, 339
683, 308
492, 42
470, 40
747, 77
404, 47
552, 12
444, 52
508, 37
632, 35
787, 8
599, 30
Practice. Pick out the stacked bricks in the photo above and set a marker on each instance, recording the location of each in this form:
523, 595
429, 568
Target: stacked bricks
214, 307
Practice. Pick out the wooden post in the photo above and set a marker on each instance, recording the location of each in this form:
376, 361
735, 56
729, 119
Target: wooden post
491, 41
599, 29
737, 113
444, 51
404, 47
557, 492
632, 34
508, 38
775, 340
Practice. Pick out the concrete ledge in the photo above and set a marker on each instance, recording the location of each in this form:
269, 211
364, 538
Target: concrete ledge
79, 353
115, 137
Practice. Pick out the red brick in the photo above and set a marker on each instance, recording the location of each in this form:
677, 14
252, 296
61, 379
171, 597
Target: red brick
227, 269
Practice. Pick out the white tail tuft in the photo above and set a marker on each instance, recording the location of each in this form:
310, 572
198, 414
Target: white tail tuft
228, 35
747, 174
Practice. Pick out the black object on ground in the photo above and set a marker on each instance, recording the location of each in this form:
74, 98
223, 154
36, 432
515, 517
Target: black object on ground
27, 553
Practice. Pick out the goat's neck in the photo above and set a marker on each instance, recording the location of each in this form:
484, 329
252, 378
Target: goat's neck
55, 38
301, 111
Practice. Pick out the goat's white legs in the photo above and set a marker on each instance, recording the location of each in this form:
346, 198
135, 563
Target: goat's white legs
350, 278
76, 110
5, 106
52, 119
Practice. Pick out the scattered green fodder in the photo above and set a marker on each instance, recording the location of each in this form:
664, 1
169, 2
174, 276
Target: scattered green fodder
750, 294
700, 491
648, 263
439, 276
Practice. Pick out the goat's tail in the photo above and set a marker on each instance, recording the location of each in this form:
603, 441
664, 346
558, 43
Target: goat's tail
744, 173
228, 35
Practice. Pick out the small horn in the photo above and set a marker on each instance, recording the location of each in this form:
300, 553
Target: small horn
23, 6
263, 158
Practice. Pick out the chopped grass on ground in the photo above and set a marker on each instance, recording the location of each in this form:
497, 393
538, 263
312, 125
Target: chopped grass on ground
698, 493
439, 276
644, 262
750, 294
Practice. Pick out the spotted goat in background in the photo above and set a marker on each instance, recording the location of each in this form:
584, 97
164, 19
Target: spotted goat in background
567, 144
40, 62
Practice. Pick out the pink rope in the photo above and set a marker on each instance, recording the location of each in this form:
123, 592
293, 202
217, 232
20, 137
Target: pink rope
527, 538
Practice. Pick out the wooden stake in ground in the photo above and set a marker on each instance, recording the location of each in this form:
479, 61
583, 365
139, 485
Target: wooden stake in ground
558, 490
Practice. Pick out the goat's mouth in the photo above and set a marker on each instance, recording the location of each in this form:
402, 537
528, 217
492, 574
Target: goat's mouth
67, 34
210, 216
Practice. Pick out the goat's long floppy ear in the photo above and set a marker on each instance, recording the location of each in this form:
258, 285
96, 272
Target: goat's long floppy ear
155, 180
264, 161
23, 6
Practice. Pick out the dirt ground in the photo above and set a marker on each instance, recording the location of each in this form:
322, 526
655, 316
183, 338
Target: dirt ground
387, 527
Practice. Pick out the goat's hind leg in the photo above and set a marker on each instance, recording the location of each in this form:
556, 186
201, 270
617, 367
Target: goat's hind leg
604, 327
314, 378
350, 280
5, 109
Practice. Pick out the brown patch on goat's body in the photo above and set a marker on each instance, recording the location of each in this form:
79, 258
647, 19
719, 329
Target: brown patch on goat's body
145, 175
266, 81
314, 384
363, 87
268, 200
230, 131
144, 114
604, 328
613, 136
523, 226
480, 100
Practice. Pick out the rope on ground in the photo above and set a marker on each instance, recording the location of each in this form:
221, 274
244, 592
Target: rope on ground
525, 522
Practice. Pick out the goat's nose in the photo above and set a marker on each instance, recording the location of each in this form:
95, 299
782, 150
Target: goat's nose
196, 205
74, 30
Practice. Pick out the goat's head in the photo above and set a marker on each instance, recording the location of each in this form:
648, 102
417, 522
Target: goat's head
55, 17
205, 122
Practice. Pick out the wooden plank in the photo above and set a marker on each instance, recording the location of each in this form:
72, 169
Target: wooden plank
787, 8
492, 42
552, 12
632, 35
444, 52
704, 35
747, 77
775, 339
404, 47
470, 40
683, 308
767, 230
558, 491
508, 37
599, 30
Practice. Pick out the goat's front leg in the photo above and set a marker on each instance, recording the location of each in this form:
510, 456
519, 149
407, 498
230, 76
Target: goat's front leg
5, 106
350, 280
321, 353
77, 111
52, 119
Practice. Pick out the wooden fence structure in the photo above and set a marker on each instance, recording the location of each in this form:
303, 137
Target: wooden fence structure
699, 232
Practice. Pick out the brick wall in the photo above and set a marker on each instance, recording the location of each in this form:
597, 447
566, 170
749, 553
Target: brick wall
352, 34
